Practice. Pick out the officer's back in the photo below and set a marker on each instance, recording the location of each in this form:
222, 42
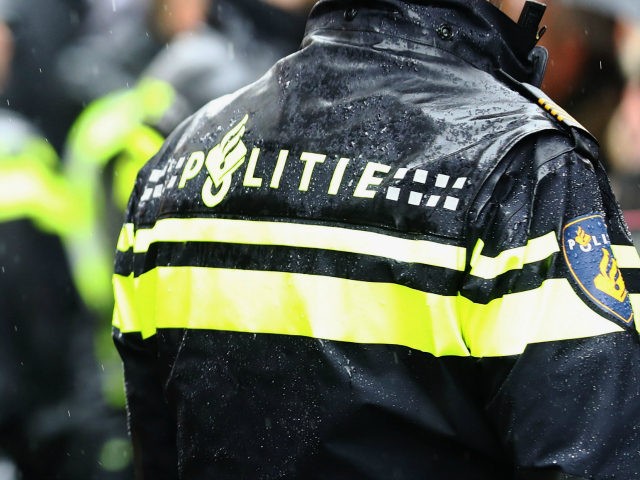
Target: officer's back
296, 284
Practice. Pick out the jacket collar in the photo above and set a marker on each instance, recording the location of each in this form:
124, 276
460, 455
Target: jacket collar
473, 30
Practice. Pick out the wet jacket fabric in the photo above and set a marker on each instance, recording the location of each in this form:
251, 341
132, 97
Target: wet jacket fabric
389, 258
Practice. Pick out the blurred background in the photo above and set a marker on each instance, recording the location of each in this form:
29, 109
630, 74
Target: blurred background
88, 91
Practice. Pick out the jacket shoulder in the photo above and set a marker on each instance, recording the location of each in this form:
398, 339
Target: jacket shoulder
535, 95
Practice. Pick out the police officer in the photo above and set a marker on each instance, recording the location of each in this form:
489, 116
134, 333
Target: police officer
392, 257
52, 421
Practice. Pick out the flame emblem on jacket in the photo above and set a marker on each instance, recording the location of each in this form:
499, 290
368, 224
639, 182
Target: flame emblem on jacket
221, 163
582, 237
589, 255
610, 279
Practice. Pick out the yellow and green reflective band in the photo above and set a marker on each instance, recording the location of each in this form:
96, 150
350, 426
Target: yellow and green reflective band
300, 235
635, 305
139, 146
126, 238
626, 256
92, 265
350, 311
551, 312
32, 149
156, 97
535, 250
31, 189
125, 316
38, 149
287, 304
101, 129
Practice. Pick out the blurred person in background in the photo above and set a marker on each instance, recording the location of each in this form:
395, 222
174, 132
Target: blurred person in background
115, 110
212, 48
53, 421
119, 40
582, 73
41, 29
623, 136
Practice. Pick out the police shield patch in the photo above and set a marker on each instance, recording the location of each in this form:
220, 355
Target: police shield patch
587, 251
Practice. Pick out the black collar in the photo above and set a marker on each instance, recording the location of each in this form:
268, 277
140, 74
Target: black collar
473, 30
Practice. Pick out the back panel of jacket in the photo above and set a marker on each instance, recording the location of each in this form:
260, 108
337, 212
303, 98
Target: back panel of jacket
299, 251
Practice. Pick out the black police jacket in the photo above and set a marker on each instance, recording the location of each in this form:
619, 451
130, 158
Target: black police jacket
389, 258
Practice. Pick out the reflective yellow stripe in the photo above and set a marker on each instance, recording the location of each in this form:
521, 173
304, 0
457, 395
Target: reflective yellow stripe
124, 312
126, 238
22, 192
635, 304
288, 304
551, 312
351, 311
626, 256
535, 250
30, 189
304, 236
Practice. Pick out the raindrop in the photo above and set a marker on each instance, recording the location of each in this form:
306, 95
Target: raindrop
350, 14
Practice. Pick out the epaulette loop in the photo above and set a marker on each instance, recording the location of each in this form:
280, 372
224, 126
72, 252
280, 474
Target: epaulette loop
552, 109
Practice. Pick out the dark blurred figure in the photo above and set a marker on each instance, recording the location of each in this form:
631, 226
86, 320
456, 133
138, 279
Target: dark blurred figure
583, 74
597, 77
53, 422
41, 29
208, 49
623, 136
119, 41
241, 41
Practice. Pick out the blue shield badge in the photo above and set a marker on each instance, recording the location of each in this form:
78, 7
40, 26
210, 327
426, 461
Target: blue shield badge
587, 251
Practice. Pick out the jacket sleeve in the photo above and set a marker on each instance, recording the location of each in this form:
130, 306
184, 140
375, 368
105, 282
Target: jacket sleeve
551, 288
151, 422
